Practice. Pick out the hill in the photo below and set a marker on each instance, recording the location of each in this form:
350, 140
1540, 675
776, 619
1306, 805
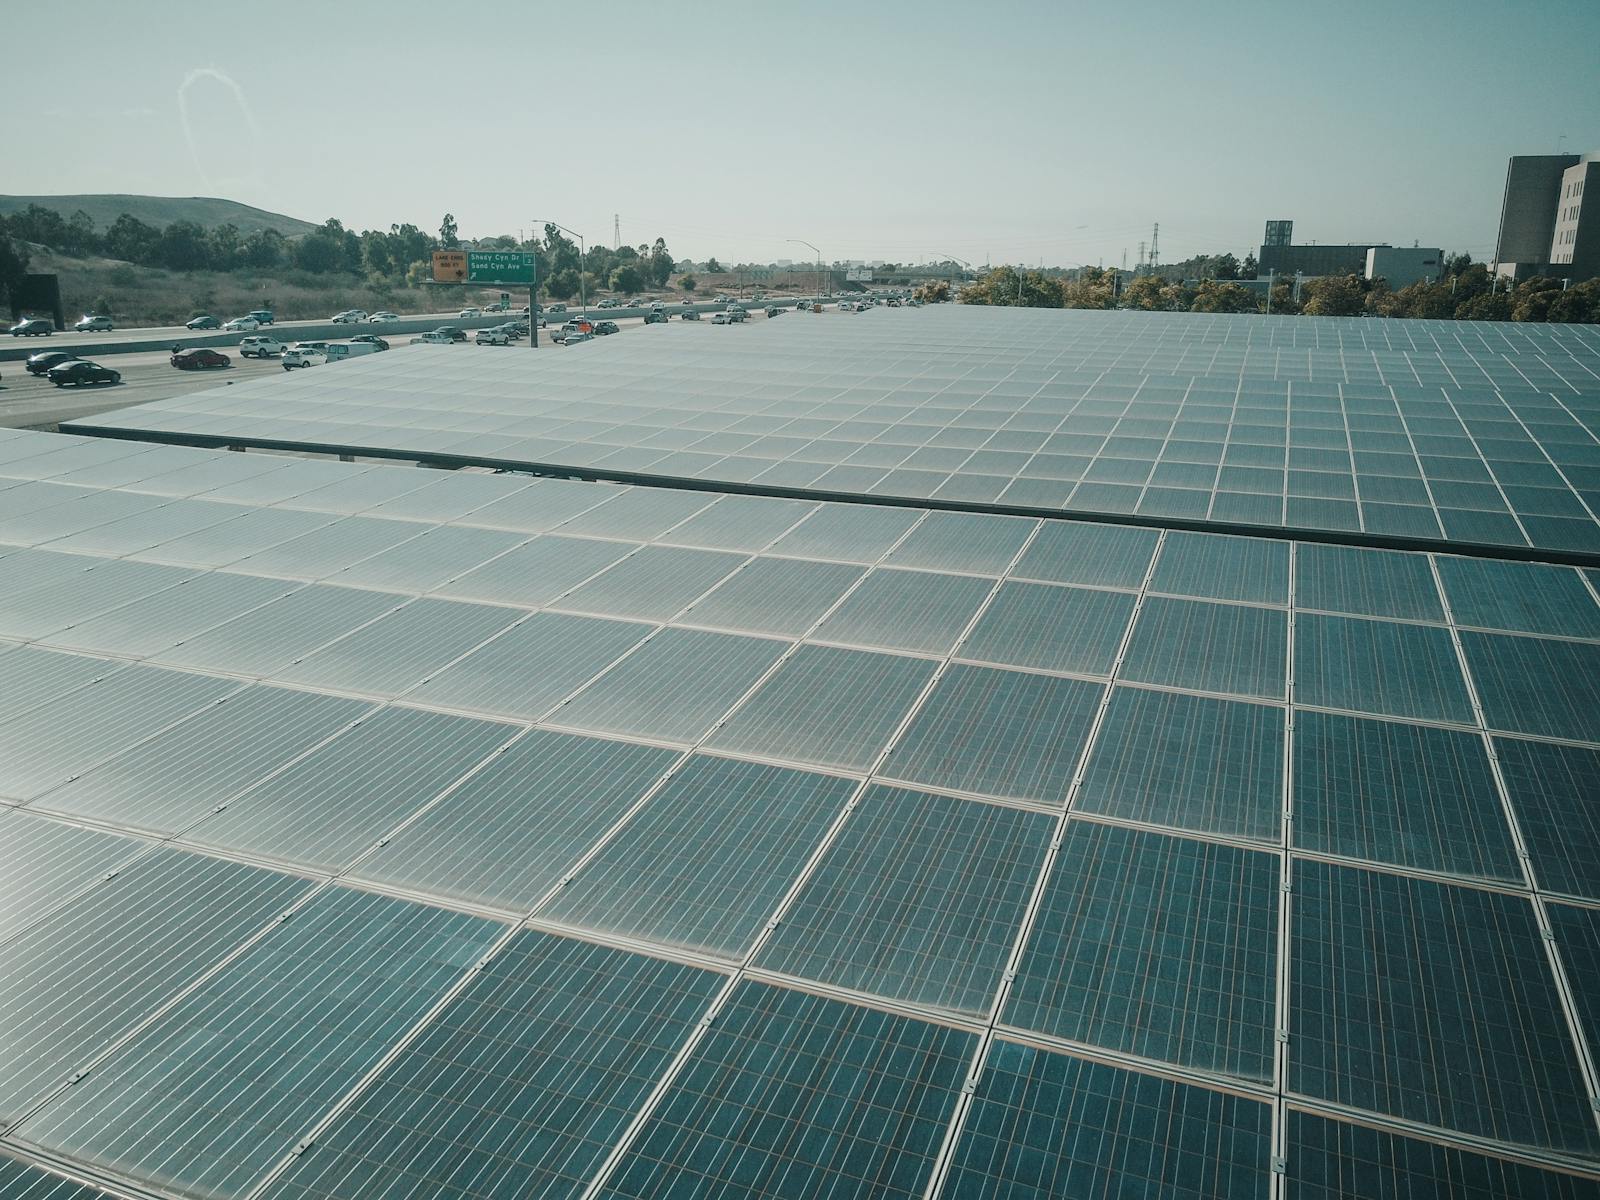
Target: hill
161, 211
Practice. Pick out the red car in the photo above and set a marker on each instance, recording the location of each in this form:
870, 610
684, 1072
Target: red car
199, 358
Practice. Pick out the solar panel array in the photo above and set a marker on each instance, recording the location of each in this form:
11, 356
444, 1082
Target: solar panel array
370, 831
1473, 433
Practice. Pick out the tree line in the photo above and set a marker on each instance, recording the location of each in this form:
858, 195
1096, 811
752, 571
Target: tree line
1465, 292
400, 254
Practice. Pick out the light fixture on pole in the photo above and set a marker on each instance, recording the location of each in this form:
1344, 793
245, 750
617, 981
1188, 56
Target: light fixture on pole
803, 242
583, 251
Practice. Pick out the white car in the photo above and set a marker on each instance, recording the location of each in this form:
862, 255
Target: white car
242, 325
379, 318
264, 346
465, 313
432, 338
299, 357
492, 337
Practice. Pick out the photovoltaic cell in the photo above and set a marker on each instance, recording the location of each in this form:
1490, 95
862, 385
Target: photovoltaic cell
1209, 647
1046, 1125
1189, 762
827, 706
1411, 795
1379, 667
707, 859
1333, 1160
999, 733
1536, 685
1457, 979
919, 898
237, 1058
793, 1095
1553, 790
1051, 628
155, 929
536, 1069
674, 687
1159, 946
504, 837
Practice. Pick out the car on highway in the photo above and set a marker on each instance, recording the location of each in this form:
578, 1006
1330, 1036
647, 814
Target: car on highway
262, 345
432, 338
492, 337
466, 313
203, 321
199, 358
655, 317
88, 324
371, 339
571, 339
381, 318
601, 328
302, 356
690, 314
41, 362
81, 371
242, 325
32, 327
262, 316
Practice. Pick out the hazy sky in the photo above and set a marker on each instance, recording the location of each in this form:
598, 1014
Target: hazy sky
896, 129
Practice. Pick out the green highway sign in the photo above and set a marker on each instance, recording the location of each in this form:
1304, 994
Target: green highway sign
499, 266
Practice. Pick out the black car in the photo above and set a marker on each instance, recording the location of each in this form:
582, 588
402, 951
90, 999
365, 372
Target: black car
80, 371
38, 364
371, 339
604, 327
451, 332
203, 321
32, 327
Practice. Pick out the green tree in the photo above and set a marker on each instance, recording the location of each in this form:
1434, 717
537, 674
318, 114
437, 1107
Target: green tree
688, 283
627, 278
262, 250
183, 246
131, 240
1223, 297
562, 284
1334, 296
13, 264
447, 232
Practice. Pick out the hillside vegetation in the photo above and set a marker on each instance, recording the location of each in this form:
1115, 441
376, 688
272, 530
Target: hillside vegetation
161, 211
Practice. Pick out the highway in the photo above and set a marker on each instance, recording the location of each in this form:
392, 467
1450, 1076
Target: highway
28, 400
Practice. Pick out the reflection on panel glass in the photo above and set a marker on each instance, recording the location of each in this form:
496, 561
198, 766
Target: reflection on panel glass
1189, 762
1000, 733
828, 706
1045, 1125
580, 1034
195, 1106
792, 1095
707, 859
919, 898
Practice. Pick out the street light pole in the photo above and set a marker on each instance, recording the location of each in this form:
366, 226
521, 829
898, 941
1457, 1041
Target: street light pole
803, 242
